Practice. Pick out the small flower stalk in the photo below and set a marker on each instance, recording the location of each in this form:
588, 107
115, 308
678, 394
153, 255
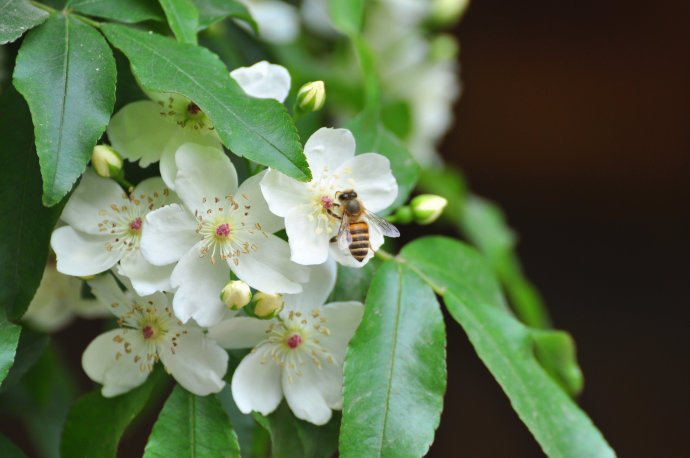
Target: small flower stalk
310, 97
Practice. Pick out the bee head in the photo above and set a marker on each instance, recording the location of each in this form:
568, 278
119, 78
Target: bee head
346, 195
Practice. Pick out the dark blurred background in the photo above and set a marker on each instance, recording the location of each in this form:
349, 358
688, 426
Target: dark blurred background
574, 118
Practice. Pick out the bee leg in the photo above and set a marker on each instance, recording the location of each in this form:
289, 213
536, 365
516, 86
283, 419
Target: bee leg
333, 214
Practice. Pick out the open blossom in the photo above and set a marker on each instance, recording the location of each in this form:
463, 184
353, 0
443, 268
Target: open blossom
219, 228
305, 206
104, 228
152, 130
298, 354
122, 359
58, 300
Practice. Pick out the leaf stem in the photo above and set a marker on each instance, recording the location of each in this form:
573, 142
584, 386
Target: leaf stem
42, 6
86, 20
386, 256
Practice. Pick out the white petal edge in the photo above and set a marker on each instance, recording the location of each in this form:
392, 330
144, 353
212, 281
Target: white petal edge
82, 254
259, 212
256, 386
145, 277
263, 80
374, 182
304, 398
283, 193
239, 332
92, 195
168, 233
315, 291
328, 148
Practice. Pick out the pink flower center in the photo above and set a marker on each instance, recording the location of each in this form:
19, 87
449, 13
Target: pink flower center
223, 230
135, 224
326, 201
147, 331
294, 341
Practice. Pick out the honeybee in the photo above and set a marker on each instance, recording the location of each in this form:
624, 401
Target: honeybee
354, 225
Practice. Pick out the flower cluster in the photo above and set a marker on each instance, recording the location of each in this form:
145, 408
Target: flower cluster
188, 248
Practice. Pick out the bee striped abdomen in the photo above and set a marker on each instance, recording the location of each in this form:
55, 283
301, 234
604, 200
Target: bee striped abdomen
360, 240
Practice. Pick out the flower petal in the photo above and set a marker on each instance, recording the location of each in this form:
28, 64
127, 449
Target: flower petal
315, 291
200, 283
82, 254
282, 193
304, 398
198, 364
373, 180
342, 320
307, 245
168, 234
239, 332
157, 190
249, 193
278, 22
327, 148
145, 277
92, 195
269, 268
108, 292
263, 80
203, 173
139, 132
256, 386
118, 374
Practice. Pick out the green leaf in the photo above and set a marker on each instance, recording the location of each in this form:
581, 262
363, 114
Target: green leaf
259, 129
18, 16
26, 224
371, 136
192, 426
555, 351
291, 437
346, 15
183, 19
248, 431
506, 347
129, 11
95, 424
66, 72
352, 283
395, 371
484, 225
31, 347
8, 449
9, 339
212, 11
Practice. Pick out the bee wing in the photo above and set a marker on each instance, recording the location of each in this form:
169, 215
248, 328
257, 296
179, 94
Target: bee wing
382, 225
344, 236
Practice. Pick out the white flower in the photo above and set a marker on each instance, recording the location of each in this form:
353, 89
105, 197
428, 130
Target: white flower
121, 359
105, 226
219, 228
299, 354
278, 21
58, 300
263, 80
334, 167
152, 130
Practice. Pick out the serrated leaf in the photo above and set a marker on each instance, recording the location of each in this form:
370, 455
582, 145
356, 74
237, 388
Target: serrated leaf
395, 371
346, 15
95, 424
18, 16
372, 136
211, 11
66, 72
259, 129
192, 426
183, 19
129, 11
505, 346
26, 224
9, 339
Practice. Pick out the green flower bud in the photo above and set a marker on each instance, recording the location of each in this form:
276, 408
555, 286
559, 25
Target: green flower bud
448, 11
267, 306
426, 208
311, 96
236, 294
106, 161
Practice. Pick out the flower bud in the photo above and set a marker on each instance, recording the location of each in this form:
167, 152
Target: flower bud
267, 305
311, 96
447, 11
236, 294
106, 161
426, 208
